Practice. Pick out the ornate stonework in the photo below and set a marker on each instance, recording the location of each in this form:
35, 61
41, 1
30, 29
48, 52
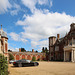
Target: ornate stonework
3, 43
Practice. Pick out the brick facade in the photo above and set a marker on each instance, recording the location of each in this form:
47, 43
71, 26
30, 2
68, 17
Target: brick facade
3, 43
27, 55
63, 49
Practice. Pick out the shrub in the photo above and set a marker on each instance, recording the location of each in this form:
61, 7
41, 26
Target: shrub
3, 65
34, 59
11, 57
38, 59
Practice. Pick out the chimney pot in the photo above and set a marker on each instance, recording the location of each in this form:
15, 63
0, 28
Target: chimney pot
58, 36
32, 50
19, 49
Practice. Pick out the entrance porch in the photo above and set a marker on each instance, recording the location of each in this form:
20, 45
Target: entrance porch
69, 53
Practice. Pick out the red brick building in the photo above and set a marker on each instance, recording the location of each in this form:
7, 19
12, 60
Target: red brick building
63, 49
3, 43
28, 55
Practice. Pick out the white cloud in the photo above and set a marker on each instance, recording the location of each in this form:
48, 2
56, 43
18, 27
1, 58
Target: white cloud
4, 6
51, 3
14, 36
41, 2
34, 44
31, 4
23, 40
17, 37
41, 26
17, 8
40, 44
13, 49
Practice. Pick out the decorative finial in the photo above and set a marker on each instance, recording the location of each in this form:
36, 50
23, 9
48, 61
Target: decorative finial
1, 27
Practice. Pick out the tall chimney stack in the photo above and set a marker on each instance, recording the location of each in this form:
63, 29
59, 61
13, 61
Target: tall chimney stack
19, 49
58, 36
32, 50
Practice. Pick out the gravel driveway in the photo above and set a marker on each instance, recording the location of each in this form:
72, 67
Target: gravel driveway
45, 68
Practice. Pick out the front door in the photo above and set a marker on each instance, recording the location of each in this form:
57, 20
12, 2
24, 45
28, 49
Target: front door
70, 57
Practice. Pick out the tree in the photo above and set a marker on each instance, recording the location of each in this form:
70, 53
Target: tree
11, 57
23, 50
3, 65
43, 50
9, 50
47, 53
46, 50
36, 51
34, 59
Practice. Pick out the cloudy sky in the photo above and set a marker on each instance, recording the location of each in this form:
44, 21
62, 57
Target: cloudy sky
29, 23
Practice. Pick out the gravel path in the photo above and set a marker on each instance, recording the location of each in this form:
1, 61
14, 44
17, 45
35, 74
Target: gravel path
45, 68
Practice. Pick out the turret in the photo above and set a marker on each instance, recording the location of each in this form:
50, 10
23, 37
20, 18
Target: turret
72, 26
3, 42
52, 40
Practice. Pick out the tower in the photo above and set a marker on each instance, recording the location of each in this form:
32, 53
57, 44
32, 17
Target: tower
52, 41
3, 43
72, 26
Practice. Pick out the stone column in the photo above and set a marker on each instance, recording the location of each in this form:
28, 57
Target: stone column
72, 54
64, 56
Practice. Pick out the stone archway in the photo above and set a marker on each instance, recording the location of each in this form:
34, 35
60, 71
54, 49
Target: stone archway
23, 56
17, 57
38, 57
29, 57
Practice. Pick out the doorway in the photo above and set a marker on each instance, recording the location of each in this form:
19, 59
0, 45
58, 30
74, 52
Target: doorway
70, 56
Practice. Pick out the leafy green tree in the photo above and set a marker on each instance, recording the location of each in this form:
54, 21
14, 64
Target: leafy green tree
3, 65
43, 50
9, 50
23, 50
34, 59
36, 51
38, 59
46, 51
11, 57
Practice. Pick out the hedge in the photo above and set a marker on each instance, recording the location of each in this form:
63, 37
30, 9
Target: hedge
3, 65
